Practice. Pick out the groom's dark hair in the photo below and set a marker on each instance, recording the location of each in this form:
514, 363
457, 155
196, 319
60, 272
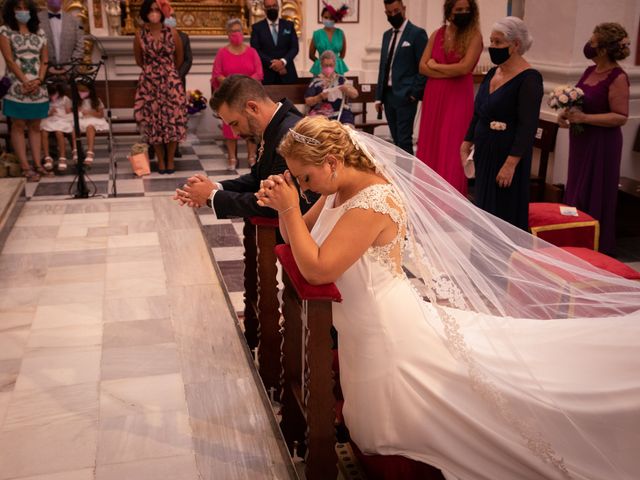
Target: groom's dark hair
236, 91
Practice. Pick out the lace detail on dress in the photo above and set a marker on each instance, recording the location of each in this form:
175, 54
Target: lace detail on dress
383, 198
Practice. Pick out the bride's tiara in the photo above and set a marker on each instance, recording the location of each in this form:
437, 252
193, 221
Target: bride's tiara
300, 138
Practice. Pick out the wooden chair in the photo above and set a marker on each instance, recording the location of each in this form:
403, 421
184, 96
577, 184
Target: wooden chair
545, 141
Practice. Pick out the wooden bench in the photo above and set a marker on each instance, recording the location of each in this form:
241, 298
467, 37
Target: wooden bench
359, 106
627, 224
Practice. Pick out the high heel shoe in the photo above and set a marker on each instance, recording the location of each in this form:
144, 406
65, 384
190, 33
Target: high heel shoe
233, 163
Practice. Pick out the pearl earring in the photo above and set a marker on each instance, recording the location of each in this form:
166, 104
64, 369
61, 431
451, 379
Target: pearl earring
334, 174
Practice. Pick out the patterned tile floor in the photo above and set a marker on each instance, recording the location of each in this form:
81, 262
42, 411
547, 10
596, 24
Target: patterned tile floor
199, 154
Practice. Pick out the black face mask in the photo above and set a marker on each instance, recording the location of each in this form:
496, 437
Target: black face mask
499, 55
589, 51
462, 20
396, 20
272, 14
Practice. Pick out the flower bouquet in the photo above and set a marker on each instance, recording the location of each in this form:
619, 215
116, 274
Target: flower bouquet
195, 102
566, 97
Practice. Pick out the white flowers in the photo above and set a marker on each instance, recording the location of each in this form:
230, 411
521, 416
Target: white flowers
498, 126
565, 96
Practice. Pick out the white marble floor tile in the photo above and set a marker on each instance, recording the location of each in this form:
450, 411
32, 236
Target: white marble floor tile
45, 449
66, 231
134, 254
137, 332
24, 233
98, 219
133, 240
75, 274
228, 253
9, 370
5, 397
128, 205
182, 467
13, 343
44, 209
30, 408
134, 185
129, 396
237, 300
40, 372
135, 287
46, 341
18, 297
83, 292
142, 269
107, 231
16, 318
130, 216
70, 244
31, 245
138, 437
23, 269
238, 227
51, 219
66, 314
83, 474
139, 361
138, 308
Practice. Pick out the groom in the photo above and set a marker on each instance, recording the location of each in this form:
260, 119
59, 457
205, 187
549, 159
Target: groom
243, 104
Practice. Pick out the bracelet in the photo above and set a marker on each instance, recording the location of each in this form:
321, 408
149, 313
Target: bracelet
286, 210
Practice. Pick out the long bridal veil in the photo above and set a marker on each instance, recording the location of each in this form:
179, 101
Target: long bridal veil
576, 404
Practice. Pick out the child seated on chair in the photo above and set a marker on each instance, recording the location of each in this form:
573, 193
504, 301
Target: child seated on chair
60, 122
91, 117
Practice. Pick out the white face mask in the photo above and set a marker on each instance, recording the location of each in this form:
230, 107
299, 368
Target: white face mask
170, 22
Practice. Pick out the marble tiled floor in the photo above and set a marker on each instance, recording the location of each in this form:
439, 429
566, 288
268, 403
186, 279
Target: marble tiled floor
119, 355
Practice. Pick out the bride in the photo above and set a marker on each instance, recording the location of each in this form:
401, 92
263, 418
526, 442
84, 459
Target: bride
523, 362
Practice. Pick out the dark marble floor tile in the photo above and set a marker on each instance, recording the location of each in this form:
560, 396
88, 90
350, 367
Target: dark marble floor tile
233, 274
124, 195
182, 165
221, 236
62, 188
168, 184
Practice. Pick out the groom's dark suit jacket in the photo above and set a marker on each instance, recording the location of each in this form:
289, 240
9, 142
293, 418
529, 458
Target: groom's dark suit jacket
238, 199
286, 48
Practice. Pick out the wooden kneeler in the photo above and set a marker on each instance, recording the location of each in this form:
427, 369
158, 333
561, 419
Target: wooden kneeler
308, 402
262, 308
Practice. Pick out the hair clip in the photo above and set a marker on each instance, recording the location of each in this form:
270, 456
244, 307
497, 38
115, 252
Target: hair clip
300, 138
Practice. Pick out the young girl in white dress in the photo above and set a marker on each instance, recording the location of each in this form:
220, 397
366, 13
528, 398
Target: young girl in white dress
91, 118
59, 121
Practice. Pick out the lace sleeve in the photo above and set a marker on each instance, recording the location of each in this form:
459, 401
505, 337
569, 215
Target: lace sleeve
619, 95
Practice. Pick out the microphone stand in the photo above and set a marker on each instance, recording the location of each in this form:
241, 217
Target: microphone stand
113, 161
75, 72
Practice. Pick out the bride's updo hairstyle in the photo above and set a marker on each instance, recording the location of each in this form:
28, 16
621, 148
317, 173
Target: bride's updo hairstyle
313, 138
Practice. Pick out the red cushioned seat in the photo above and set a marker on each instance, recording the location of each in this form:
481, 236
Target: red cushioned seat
546, 222
604, 262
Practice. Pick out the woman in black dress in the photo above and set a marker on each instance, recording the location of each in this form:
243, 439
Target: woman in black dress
504, 124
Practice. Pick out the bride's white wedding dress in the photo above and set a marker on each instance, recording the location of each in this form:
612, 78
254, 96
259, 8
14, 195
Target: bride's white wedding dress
409, 390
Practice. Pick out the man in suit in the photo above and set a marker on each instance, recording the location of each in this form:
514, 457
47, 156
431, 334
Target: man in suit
65, 35
276, 42
400, 84
244, 105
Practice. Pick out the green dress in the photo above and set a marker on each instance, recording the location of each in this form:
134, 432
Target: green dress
322, 43
26, 52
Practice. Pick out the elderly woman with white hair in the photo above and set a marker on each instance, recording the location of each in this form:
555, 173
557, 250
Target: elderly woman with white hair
237, 57
504, 124
329, 93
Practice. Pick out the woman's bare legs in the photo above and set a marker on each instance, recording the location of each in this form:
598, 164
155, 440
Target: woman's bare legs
159, 149
171, 151
251, 152
232, 153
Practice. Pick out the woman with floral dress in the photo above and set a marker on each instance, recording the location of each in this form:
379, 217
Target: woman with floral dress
24, 48
160, 104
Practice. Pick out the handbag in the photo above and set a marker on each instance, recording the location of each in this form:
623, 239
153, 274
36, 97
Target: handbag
139, 159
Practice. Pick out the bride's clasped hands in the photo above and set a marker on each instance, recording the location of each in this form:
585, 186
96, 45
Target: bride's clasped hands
278, 192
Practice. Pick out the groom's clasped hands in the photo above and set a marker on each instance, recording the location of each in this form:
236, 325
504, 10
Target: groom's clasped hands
195, 192
278, 192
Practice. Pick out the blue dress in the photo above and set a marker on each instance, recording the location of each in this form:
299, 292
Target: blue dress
515, 104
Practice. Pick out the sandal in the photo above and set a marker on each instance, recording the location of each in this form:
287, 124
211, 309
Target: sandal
44, 173
88, 159
233, 162
48, 163
30, 175
62, 164
251, 160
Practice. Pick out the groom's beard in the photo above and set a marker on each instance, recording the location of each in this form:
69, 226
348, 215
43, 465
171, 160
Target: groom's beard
254, 135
